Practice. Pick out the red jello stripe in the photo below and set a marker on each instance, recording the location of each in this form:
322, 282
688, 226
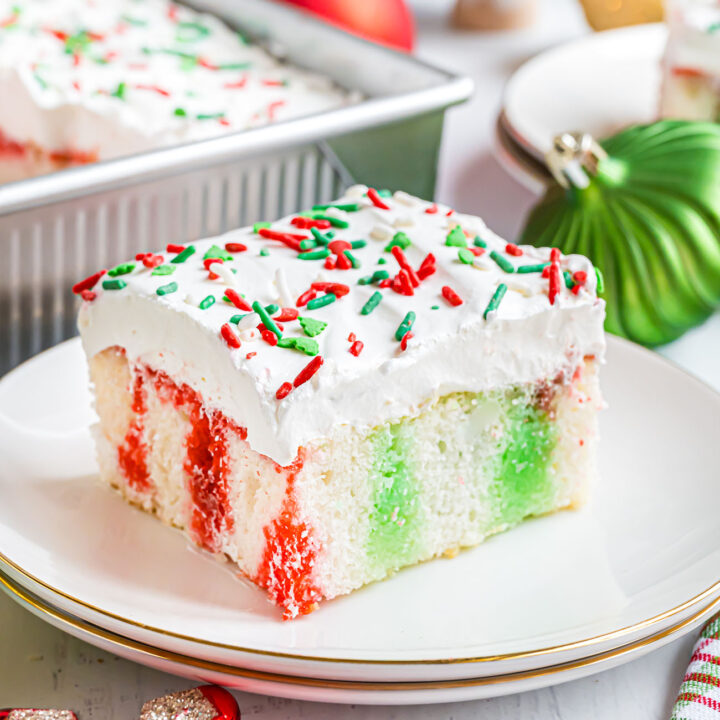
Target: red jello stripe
291, 549
132, 454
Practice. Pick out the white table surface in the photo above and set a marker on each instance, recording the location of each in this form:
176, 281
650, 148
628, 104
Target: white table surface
40, 665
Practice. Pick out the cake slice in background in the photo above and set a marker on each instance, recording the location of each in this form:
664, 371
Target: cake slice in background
342, 393
82, 80
691, 66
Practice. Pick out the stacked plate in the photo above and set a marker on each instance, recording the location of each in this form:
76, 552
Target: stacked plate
598, 84
558, 598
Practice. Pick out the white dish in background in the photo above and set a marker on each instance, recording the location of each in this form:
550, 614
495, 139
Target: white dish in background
641, 558
598, 84
372, 693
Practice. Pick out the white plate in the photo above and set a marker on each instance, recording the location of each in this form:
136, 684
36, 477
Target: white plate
335, 691
598, 84
643, 556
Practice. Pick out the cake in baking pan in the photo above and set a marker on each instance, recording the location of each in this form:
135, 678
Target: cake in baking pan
330, 397
691, 66
86, 80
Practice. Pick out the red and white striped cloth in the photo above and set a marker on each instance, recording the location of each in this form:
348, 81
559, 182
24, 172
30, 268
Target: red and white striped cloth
699, 696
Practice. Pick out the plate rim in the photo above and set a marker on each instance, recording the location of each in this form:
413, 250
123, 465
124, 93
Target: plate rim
502, 657
22, 595
525, 144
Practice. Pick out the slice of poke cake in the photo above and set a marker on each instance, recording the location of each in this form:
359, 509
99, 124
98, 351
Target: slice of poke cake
691, 66
330, 397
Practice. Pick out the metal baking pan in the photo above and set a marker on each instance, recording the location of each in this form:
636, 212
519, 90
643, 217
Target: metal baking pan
58, 228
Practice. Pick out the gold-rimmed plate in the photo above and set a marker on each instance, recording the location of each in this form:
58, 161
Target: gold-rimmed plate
641, 558
338, 691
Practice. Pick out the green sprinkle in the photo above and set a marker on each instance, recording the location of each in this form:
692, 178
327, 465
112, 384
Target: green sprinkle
399, 238
311, 327
380, 275
434, 307
319, 254
180, 112
382, 261
133, 21
271, 309
465, 256
456, 238
335, 222
321, 301
207, 302
372, 303
365, 280
600, 281
355, 262
357, 244
264, 252
235, 319
308, 244
347, 207
163, 270
234, 66
502, 261
40, 81
199, 31
405, 326
495, 300
385, 193
119, 91
114, 284
320, 238
303, 344
217, 252
122, 269
569, 282
268, 322
171, 287
258, 226
477, 242
184, 255
209, 116
532, 268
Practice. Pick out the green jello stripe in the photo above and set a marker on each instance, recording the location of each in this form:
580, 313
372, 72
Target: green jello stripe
394, 534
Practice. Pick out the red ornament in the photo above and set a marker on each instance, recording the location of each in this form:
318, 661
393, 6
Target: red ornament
199, 702
388, 22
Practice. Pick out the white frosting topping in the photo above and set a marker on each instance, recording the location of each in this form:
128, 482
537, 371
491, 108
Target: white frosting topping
694, 42
453, 348
111, 78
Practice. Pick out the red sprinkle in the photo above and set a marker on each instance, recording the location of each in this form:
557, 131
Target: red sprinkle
449, 213
406, 283
239, 302
292, 240
425, 272
385, 283
512, 249
286, 315
554, 255
343, 262
575, 289
175, 248
89, 295
546, 272
308, 371
269, 337
153, 88
152, 261
337, 289
88, 283
429, 261
236, 85
250, 355
554, 284
141, 256
352, 337
306, 297
476, 251
229, 336
211, 261
405, 339
306, 223
376, 200
273, 83
432, 209
284, 390
580, 277
356, 348
339, 246
399, 255
235, 247
451, 296
330, 262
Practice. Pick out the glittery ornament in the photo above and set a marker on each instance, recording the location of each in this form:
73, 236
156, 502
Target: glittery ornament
30, 714
208, 702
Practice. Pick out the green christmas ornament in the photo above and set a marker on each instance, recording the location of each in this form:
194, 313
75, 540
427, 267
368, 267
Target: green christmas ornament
644, 206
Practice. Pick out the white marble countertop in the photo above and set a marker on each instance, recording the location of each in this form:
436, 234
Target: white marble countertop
40, 665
